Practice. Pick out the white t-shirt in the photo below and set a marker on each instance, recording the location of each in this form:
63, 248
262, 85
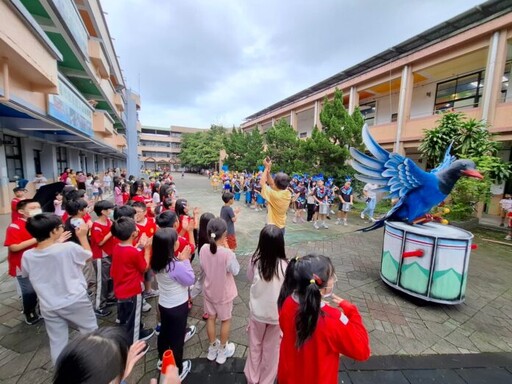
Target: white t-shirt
56, 273
106, 180
368, 188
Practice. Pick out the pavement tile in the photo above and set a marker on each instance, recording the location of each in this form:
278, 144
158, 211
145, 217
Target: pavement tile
485, 375
438, 376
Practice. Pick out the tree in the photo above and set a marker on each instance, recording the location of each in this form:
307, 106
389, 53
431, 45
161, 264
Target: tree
470, 139
202, 149
244, 149
283, 146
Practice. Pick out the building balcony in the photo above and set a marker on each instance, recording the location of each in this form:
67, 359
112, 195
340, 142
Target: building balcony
103, 124
120, 142
98, 58
119, 102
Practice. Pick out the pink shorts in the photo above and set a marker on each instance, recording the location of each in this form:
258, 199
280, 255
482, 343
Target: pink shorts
222, 311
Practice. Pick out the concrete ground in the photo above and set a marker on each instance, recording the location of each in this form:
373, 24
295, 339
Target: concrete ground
411, 340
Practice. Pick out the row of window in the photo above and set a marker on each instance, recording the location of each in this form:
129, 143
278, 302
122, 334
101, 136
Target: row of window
159, 154
159, 132
152, 143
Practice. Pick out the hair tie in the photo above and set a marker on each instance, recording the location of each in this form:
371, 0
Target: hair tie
317, 280
212, 235
297, 258
312, 281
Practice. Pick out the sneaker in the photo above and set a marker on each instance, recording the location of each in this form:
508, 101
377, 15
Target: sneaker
146, 307
345, 222
325, 226
157, 329
118, 321
186, 366
205, 316
332, 212
316, 225
337, 222
32, 318
362, 215
146, 334
102, 312
159, 365
151, 293
190, 332
213, 350
294, 220
372, 220
508, 237
224, 352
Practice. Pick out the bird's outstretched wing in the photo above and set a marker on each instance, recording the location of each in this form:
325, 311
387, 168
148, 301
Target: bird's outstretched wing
396, 174
447, 160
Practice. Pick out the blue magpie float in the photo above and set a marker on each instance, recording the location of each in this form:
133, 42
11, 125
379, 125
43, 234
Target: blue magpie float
418, 191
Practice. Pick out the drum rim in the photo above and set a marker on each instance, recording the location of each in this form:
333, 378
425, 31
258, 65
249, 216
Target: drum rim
413, 226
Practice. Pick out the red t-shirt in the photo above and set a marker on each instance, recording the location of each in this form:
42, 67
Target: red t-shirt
14, 213
16, 233
98, 233
126, 197
180, 227
317, 360
139, 198
127, 271
86, 218
149, 228
183, 243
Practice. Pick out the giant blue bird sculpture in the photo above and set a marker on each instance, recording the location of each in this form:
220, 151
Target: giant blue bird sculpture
418, 191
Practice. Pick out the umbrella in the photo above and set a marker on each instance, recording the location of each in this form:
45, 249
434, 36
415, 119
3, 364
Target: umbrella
46, 194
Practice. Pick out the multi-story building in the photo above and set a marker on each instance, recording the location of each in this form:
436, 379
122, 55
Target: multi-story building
462, 64
159, 147
61, 92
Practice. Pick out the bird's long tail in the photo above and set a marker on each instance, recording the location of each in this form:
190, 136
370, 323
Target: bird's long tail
376, 225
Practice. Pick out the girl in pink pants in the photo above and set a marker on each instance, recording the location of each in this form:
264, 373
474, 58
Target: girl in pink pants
266, 273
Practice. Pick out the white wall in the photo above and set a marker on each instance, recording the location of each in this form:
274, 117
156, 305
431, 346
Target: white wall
423, 105
385, 107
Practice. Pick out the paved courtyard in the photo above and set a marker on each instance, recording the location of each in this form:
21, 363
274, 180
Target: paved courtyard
398, 325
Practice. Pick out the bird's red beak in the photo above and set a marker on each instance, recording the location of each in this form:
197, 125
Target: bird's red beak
472, 173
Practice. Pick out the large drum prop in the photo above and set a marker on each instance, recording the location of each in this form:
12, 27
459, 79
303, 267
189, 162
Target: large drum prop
428, 261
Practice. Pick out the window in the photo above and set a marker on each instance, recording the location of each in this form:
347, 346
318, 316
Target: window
159, 132
96, 164
368, 112
303, 135
62, 159
37, 161
153, 143
462, 92
13, 158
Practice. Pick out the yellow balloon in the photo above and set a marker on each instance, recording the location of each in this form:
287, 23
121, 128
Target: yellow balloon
447, 210
444, 221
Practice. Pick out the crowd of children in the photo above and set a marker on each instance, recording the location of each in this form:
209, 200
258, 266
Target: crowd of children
93, 255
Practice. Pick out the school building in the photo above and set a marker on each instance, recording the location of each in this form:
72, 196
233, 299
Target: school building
63, 100
462, 64
159, 147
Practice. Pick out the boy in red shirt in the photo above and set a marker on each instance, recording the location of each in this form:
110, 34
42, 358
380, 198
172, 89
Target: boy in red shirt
128, 266
18, 240
102, 245
146, 225
19, 194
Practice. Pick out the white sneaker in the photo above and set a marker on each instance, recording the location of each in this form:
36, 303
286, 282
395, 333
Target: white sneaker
213, 350
362, 215
508, 237
191, 331
372, 220
337, 222
345, 222
185, 369
316, 225
294, 220
224, 352
146, 307
325, 226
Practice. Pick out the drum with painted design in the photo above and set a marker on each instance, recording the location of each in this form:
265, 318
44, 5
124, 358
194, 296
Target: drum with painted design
428, 261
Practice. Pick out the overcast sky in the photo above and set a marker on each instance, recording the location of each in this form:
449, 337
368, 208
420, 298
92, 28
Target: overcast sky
203, 62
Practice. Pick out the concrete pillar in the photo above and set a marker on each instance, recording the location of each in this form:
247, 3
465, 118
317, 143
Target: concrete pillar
353, 100
133, 167
494, 69
89, 159
49, 162
316, 118
404, 105
293, 119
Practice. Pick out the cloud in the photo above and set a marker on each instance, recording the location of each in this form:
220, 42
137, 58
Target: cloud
202, 62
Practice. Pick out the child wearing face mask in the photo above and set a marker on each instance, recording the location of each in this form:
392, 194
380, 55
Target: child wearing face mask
314, 332
18, 240
102, 244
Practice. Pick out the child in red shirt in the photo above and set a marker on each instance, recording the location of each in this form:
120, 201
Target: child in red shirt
128, 266
19, 194
18, 240
315, 333
102, 244
146, 226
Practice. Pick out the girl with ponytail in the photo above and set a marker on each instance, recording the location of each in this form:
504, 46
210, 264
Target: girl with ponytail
315, 333
219, 266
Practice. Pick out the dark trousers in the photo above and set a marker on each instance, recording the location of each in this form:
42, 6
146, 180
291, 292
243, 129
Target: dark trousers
172, 331
129, 312
104, 289
28, 295
311, 211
